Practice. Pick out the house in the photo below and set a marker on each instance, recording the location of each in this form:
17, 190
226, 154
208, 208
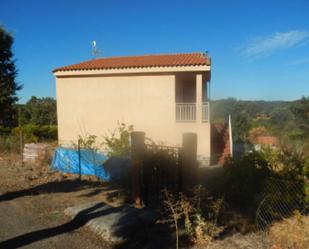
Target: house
162, 95
268, 141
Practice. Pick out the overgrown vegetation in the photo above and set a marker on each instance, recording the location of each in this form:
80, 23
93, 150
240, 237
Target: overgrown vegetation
8, 84
87, 142
282, 173
289, 121
36, 133
247, 178
33, 122
244, 179
38, 111
9, 144
197, 215
117, 142
11, 138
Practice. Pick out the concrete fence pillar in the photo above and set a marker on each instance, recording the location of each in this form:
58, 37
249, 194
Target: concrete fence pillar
189, 161
137, 156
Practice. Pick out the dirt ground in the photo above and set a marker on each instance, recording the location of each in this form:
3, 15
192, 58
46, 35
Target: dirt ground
33, 198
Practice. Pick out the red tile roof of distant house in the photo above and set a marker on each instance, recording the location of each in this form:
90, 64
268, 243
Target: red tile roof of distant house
267, 140
162, 60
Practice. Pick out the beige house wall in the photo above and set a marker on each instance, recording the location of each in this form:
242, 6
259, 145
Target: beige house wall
93, 104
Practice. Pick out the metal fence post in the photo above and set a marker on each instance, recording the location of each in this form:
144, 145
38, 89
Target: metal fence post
137, 156
79, 163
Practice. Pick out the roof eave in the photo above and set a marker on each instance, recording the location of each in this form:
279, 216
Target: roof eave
165, 69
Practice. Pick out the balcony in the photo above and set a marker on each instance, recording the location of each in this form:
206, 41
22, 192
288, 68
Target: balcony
187, 112
192, 98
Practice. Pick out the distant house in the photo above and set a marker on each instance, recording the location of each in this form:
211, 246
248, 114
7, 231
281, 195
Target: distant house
162, 95
270, 141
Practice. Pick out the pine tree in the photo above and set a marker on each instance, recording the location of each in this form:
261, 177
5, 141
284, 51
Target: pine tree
8, 84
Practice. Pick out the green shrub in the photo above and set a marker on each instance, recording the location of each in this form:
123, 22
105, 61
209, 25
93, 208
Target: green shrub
86, 142
9, 144
27, 133
245, 178
36, 133
117, 142
281, 173
4, 131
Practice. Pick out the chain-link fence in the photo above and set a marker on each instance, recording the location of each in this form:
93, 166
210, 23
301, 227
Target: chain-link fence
280, 200
282, 215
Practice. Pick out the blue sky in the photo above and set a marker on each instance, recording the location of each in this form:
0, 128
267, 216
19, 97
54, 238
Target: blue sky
259, 49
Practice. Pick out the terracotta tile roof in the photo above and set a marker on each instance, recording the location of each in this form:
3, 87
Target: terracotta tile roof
163, 60
267, 140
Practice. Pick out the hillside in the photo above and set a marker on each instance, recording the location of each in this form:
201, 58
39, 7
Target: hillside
289, 120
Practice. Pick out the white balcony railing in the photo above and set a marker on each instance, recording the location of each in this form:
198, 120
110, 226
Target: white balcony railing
205, 112
185, 112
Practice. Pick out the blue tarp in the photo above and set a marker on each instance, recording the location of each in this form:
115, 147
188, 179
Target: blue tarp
91, 162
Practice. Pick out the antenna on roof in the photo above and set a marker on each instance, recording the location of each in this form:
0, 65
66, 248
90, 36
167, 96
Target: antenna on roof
206, 53
95, 50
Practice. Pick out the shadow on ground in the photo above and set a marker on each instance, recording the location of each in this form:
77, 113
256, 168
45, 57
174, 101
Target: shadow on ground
65, 186
146, 236
80, 220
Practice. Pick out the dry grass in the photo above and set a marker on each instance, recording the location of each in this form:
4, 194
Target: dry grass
290, 233
239, 241
41, 182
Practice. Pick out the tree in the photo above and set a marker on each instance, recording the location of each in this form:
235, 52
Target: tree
300, 109
39, 111
8, 84
241, 124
